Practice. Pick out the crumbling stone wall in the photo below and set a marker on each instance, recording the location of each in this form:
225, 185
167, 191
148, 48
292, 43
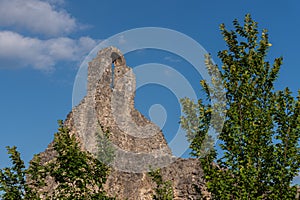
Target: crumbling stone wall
137, 142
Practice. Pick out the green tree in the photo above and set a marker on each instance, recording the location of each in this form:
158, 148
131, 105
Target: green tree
13, 179
106, 151
260, 136
78, 174
163, 189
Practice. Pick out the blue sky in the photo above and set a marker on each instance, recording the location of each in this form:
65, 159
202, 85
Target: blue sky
42, 43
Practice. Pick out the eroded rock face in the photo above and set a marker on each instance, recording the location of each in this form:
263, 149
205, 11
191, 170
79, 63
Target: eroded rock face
137, 142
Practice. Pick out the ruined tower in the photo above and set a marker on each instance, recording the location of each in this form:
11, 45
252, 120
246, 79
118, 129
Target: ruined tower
138, 143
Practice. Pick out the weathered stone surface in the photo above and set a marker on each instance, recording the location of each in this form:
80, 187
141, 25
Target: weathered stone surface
184, 174
138, 143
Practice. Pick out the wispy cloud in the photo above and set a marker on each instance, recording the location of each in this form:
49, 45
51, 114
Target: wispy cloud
172, 59
36, 16
122, 40
55, 2
20, 51
35, 33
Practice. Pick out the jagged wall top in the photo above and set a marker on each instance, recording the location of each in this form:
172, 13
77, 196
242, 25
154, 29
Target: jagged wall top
113, 108
104, 59
109, 105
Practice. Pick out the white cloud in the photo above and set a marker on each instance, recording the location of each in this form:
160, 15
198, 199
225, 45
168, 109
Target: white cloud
46, 18
58, 2
172, 59
36, 16
20, 51
122, 40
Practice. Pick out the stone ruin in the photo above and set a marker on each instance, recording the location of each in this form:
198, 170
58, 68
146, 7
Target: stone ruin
137, 142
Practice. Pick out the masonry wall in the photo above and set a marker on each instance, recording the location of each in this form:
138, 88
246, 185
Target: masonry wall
137, 142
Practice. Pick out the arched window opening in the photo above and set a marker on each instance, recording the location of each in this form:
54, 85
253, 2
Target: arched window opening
114, 59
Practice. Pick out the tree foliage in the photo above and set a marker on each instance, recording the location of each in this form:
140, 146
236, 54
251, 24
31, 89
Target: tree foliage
106, 150
79, 174
76, 174
13, 184
163, 189
260, 136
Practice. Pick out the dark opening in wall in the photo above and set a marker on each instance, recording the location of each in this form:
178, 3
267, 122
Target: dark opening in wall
114, 58
112, 75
